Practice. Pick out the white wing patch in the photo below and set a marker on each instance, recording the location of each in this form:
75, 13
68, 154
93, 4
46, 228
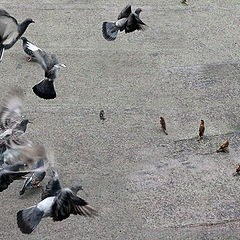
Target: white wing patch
32, 47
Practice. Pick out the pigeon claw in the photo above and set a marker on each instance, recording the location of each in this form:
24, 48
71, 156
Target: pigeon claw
29, 59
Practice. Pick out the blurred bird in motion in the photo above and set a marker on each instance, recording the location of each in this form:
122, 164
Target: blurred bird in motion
127, 21
237, 172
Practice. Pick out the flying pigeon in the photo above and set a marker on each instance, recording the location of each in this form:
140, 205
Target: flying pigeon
9, 173
185, 2
12, 129
10, 30
163, 124
33, 181
127, 21
201, 130
45, 89
30, 49
57, 203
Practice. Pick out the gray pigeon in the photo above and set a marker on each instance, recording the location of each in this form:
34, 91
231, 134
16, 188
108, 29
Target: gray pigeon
45, 89
35, 178
127, 21
10, 30
9, 173
12, 130
57, 203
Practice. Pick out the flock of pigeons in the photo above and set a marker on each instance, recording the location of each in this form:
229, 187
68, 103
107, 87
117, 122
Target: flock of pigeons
22, 159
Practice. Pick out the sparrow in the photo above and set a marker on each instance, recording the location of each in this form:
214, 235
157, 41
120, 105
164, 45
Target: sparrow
201, 130
163, 124
223, 147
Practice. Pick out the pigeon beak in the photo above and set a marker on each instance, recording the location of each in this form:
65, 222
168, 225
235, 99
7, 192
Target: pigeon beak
33, 21
30, 122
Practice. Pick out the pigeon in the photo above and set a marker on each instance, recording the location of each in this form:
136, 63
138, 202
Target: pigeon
30, 49
185, 2
10, 30
201, 130
45, 88
33, 181
57, 203
127, 21
163, 124
9, 173
101, 115
12, 129
223, 147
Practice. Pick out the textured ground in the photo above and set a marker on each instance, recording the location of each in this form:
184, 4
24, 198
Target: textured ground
146, 185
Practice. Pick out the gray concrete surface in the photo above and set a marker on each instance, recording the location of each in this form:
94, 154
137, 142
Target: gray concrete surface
145, 185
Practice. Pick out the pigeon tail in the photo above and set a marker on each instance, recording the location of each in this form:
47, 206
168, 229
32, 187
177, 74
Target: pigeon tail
45, 89
1, 53
110, 30
28, 219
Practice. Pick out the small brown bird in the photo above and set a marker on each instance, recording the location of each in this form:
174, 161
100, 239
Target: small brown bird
237, 172
163, 124
101, 115
201, 130
224, 147
185, 2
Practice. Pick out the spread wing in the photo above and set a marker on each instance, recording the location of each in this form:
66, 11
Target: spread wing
8, 27
43, 59
67, 203
53, 186
125, 12
11, 109
7, 177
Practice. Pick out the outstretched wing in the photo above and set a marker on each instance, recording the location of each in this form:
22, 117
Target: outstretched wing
67, 203
7, 177
43, 59
8, 27
53, 186
125, 12
11, 109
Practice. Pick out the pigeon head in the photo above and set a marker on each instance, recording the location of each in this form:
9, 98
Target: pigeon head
23, 26
138, 10
25, 121
24, 39
202, 121
76, 188
29, 20
18, 165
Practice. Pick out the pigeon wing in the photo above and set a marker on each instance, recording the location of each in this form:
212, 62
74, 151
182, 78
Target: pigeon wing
134, 23
7, 177
11, 109
53, 186
125, 12
8, 28
67, 203
43, 59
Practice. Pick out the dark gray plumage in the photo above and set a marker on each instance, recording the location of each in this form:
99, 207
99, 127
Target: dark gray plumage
30, 49
35, 178
45, 89
127, 21
10, 30
57, 203
9, 173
